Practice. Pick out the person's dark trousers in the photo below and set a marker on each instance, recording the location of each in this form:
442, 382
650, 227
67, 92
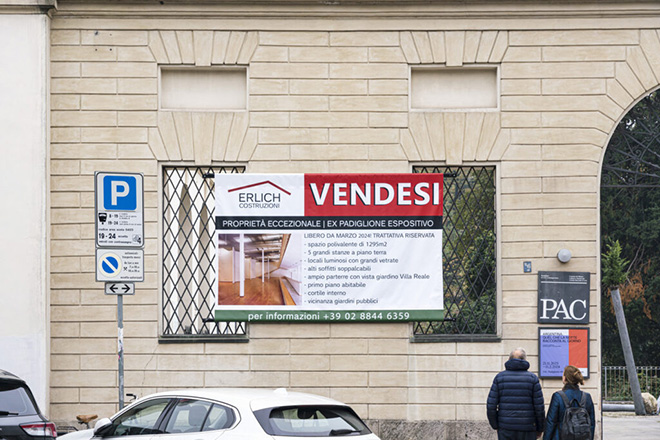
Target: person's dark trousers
505, 434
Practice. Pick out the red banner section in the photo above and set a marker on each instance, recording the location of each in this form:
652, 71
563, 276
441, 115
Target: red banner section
351, 195
578, 347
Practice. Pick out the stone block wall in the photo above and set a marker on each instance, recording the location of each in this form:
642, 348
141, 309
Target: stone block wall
330, 94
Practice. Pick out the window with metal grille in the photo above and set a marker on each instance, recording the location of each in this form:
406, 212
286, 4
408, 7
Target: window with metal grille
189, 272
469, 256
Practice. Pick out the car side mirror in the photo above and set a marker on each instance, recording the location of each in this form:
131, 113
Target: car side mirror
101, 424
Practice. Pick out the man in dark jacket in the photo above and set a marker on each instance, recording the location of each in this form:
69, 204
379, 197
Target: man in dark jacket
515, 402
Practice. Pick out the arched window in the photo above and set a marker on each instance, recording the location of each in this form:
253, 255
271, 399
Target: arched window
630, 214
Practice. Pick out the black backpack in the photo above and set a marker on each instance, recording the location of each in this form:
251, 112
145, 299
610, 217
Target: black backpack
577, 423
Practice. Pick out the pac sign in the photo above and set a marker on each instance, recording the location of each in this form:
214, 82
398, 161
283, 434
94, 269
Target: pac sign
563, 297
119, 210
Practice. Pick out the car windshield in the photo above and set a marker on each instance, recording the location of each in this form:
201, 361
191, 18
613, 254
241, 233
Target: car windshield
311, 421
142, 419
15, 401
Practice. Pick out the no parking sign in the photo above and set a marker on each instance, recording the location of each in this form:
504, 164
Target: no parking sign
120, 265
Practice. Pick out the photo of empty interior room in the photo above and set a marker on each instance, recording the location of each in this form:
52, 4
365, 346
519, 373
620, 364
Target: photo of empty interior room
259, 269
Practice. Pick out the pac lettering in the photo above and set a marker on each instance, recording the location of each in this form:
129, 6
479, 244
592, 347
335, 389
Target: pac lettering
555, 310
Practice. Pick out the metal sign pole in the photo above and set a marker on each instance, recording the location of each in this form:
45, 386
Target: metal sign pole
120, 346
119, 229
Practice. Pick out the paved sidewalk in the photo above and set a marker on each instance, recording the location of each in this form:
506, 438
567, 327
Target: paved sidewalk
618, 426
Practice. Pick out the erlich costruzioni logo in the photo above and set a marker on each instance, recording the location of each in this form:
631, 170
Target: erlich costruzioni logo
260, 195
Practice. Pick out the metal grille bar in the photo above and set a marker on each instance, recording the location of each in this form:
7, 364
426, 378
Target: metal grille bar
632, 159
189, 273
616, 386
469, 255
189, 256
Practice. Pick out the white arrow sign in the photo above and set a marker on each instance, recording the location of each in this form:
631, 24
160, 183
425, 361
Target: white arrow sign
119, 288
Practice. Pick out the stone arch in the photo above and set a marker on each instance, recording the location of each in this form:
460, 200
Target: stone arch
624, 115
634, 80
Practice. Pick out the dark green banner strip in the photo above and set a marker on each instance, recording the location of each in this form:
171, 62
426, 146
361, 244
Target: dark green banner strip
329, 316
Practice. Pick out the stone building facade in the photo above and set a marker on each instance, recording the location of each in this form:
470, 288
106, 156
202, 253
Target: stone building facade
329, 90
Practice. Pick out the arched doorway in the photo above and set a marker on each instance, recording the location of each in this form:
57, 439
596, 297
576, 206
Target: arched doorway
630, 214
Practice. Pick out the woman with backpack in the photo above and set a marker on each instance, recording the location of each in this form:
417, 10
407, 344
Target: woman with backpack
571, 414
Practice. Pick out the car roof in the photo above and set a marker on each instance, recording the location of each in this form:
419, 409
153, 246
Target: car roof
6, 376
255, 398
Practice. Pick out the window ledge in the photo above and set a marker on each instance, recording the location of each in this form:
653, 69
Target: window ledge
195, 339
455, 338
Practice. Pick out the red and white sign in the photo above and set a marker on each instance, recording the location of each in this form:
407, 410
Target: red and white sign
340, 247
373, 194
317, 198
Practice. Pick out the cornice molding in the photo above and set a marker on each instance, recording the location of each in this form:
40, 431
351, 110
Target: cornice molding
383, 9
27, 6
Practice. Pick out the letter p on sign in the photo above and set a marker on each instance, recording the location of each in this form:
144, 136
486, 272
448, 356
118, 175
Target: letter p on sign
119, 193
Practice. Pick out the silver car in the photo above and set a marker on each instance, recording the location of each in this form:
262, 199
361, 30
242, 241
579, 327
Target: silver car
230, 414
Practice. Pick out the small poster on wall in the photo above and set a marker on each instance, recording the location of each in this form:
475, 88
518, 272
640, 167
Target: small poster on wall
559, 347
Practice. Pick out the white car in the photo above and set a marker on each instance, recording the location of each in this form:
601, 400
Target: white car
230, 414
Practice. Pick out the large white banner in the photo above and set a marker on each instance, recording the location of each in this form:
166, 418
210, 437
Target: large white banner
329, 247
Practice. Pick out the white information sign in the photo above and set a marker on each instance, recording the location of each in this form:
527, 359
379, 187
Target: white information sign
119, 288
119, 213
117, 265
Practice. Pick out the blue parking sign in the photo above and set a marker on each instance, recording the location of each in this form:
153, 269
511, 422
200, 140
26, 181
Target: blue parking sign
119, 210
119, 193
